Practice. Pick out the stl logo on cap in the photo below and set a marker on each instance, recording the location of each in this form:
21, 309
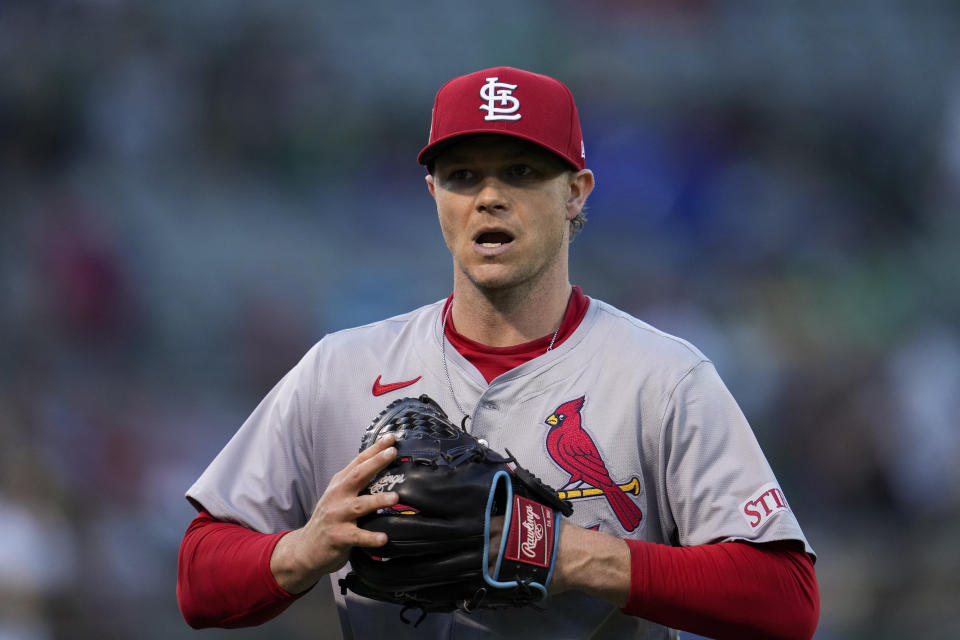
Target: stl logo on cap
499, 93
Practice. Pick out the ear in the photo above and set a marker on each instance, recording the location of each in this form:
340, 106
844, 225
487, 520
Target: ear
581, 184
431, 187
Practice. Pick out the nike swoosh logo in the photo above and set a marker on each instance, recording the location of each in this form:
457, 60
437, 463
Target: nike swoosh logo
380, 389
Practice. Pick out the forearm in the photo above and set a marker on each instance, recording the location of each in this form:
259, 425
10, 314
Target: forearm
728, 590
287, 567
594, 563
224, 577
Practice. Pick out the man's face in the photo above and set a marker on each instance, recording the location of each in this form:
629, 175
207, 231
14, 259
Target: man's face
504, 207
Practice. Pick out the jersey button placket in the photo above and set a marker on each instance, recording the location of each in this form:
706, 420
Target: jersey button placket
483, 406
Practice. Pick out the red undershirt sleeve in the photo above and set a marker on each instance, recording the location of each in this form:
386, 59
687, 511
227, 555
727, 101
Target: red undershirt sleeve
725, 590
224, 577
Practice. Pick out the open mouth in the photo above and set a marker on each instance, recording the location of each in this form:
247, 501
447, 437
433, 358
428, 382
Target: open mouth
493, 239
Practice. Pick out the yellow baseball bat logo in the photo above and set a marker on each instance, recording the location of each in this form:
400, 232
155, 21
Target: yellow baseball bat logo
574, 494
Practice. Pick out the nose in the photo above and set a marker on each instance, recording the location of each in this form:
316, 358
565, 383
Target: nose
491, 197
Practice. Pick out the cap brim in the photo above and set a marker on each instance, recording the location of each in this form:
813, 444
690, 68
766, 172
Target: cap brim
430, 152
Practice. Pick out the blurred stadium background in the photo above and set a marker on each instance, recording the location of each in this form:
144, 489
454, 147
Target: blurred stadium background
191, 194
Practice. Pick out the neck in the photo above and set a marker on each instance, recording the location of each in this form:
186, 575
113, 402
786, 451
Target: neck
507, 317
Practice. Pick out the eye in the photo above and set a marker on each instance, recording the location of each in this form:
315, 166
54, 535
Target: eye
460, 175
520, 171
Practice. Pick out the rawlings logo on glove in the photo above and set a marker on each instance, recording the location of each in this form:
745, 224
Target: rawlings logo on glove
537, 525
386, 483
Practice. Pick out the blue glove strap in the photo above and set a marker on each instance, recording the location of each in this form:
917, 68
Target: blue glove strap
507, 519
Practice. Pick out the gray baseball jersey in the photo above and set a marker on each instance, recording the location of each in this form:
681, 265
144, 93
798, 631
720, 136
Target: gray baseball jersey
679, 463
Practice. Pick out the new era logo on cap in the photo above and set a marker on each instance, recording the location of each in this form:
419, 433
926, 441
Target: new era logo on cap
511, 102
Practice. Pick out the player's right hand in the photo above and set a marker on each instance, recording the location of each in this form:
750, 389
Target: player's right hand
323, 545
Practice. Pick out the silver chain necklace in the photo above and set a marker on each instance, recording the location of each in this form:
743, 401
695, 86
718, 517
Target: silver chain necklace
446, 371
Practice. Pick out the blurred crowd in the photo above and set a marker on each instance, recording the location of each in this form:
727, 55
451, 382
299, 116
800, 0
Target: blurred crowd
192, 194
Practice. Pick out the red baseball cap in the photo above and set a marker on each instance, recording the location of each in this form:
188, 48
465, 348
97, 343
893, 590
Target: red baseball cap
510, 102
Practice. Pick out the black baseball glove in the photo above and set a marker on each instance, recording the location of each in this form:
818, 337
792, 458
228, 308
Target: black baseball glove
439, 557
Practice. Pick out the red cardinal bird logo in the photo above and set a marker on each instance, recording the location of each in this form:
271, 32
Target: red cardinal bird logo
572, 448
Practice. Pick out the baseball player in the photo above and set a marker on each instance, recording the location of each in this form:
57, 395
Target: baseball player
678, 521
